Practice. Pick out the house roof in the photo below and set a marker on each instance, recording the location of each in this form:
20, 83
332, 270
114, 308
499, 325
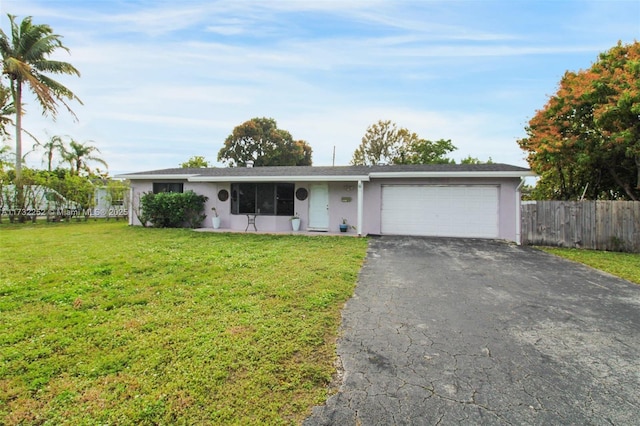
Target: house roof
328, 173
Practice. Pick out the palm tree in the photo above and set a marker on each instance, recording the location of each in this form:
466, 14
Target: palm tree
79, 154
25, 60
55, 144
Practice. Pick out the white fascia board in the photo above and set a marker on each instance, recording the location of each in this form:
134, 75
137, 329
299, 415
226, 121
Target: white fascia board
278, 178
410, 175
155, 177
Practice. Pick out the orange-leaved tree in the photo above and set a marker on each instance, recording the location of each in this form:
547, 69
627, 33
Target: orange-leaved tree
586, 140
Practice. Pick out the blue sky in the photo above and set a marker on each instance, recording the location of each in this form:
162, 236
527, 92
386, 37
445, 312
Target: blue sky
163, 81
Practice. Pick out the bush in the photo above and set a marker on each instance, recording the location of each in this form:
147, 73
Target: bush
173, 209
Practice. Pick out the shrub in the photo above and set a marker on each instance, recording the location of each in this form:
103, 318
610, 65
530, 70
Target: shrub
173, 209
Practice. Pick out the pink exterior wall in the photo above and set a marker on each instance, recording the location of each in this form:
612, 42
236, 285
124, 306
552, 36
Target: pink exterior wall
507, 200
339, 209
339, 206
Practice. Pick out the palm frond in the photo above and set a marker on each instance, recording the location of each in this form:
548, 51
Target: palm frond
43, 47
5, 44
55, 67
60, 92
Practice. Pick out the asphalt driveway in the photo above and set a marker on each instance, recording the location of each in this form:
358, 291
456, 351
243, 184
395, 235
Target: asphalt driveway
450, 331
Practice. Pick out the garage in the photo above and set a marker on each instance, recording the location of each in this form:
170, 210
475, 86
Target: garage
441, 210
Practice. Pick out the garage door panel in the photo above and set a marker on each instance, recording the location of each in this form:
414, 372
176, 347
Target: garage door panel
440, 210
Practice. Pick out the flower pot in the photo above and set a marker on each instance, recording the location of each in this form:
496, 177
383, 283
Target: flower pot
295, 224
343, 227
215, 221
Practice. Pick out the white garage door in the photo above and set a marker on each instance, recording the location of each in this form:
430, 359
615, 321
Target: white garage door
445, 211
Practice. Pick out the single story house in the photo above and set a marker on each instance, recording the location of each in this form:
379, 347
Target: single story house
452, 200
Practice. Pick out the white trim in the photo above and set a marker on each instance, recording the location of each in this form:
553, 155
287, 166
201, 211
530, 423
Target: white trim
360, 207
465, 174
131, 206
330, 178
518, 212
156, 177
283, 178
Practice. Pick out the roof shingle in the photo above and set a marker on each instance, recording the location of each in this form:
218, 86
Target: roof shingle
296, 171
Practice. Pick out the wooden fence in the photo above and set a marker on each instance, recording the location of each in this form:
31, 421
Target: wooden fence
599, 225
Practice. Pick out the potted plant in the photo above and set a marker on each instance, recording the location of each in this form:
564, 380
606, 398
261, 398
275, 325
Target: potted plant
215, 219
295, 222
344, 226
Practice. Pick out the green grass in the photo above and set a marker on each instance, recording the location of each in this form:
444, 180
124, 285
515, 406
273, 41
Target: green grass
101, 323
623, 265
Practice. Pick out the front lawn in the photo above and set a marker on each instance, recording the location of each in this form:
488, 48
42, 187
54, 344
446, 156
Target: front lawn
101, 323
623, 265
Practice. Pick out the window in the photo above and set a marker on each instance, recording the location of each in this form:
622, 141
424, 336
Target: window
262, 198
167, 187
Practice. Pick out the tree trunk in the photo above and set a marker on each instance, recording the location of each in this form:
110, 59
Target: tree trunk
623, 185
19, 204
637, 171
18, 105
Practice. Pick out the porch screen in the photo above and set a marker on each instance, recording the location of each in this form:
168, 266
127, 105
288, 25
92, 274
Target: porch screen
262, 198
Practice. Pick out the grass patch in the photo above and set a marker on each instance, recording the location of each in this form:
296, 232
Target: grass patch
623, 265
101, 323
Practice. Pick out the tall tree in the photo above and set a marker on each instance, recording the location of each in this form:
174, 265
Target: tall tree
422, 151
25, 61
586, 139
80, 154
380, 144
261, 142
385, 143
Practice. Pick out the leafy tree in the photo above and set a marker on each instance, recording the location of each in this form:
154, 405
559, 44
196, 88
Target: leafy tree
5, 153
423, 151
79, 192
380, 144
79, 154
18, 202
54, 201
195, 162
385, 143
296, 153
260, 141
586, 140
116, 198
474, 160
25, 60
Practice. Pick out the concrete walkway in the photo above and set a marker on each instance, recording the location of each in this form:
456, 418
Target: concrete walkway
299, 233
447, 331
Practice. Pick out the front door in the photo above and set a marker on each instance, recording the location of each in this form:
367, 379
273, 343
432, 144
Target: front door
319, 207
